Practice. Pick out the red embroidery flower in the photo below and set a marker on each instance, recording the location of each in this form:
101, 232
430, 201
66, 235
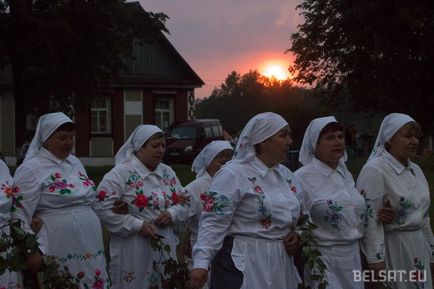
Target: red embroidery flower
52, 188
57, 176
99, 284
209, 205
141, 201
175, 198
10, 192
293, 189
266, 223
102, 195
80, 275
203, 197
258, 189
97, 272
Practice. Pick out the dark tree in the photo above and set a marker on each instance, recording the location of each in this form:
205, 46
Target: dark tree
371, 55
65, 51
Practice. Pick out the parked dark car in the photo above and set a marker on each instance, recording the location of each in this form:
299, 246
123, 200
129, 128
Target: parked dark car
186, 139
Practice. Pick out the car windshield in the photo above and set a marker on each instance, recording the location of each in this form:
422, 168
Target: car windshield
183, 132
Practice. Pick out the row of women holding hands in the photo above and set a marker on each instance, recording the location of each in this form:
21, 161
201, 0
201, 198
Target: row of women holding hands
247, 229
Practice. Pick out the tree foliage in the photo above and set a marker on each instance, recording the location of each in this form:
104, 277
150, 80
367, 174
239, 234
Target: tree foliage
240, 97
66, 50
372, 55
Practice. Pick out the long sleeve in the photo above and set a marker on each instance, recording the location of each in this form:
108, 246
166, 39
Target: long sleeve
27, 196
371, 185
220, 203
110, 190
178, 212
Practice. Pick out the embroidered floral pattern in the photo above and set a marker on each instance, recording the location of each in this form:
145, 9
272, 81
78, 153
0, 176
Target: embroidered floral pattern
86, 181
334, 215
156, 201
80, 257
418, 274
402, 215
368, 214
291, 186
380, 254
265, 213
10, 192
59, 184
213, 202
128, 277
101, 196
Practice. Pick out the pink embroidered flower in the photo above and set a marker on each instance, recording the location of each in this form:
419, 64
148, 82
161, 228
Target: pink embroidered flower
61, 185
209, 204
98, 284
80, 275
57, 176
102, 195
141, 201
97, 272
293, 189
52, 189
10, 192
154, 194
203, 197
88, 255
258, 189
140, 183
172, 181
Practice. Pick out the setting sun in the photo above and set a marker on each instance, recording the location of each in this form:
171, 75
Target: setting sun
276, 70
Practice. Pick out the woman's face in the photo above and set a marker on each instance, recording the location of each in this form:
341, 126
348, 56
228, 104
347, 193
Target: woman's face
274, 150
60, 143
330, 148
152, 152
220, 159
404, 143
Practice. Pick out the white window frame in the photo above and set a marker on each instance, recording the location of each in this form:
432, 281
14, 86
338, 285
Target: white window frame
161, 111
98, 110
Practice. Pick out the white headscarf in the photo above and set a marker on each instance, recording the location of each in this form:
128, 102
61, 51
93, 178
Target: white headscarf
389, 126
310, 139
207, 155
259, 128
136, 140
47, 125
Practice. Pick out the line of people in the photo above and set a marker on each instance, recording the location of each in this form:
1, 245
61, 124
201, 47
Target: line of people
242, 210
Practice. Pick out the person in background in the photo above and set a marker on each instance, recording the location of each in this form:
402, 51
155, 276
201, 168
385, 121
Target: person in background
212, 157
390, 176
8, 279
247, 227
53, 184
152, 191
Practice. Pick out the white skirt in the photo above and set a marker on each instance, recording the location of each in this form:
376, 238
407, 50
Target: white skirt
340, 261
408, 251
264, 264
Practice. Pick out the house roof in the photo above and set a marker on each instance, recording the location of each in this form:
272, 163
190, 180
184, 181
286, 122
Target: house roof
158, 62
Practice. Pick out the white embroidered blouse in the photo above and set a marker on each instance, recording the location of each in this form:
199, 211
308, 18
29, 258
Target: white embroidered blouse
333, 203
147, 193
247, 199
407, 190
7, 194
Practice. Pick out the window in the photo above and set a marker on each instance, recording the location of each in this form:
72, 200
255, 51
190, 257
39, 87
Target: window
184, 132
101, 115
163, 112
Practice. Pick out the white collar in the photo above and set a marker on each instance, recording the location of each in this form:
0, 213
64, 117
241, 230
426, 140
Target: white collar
326, 170
48, 155
142, 170
262, 168
397, 166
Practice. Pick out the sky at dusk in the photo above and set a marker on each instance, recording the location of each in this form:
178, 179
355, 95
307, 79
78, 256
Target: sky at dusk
218, 36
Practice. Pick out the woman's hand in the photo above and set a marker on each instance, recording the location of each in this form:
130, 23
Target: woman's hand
148, 230
36, 224
163, 219
120, 207
198, 277
386, 214
292, 243
184, 198
34, 262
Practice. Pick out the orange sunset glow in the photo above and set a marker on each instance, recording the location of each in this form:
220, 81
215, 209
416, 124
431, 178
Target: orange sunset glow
275, 69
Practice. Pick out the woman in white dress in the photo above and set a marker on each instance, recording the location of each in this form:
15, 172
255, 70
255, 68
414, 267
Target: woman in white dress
53, 184
8, 279
212, 157
332, 202
152, 191
251, 209
407, 243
